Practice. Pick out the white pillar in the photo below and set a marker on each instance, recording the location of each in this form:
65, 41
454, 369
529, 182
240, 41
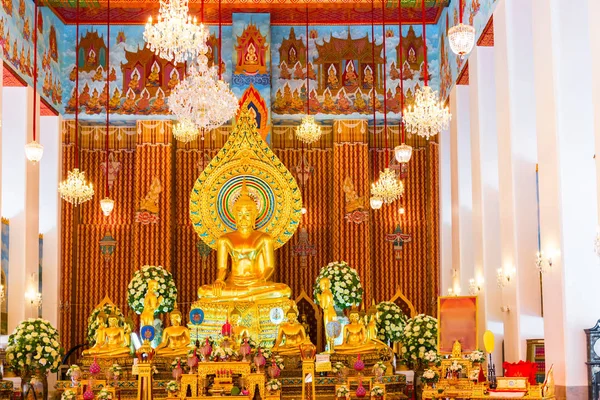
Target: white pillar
445, 213
20, 201
50, 222
567, 177
517, 179
486, 198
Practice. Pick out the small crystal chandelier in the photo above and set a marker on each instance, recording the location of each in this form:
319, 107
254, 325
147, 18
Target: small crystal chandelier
428, 116
75, 188
387, 188
403, 153
175, 37
375, 203
185, 131
461, 36
107, 205
309, 131
34, 151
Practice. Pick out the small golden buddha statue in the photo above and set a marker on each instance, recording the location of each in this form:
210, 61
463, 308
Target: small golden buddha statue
116, 343
251, 57
150, 202
238, 331
252, 260
325, 299
99, 337
151, 303
356, 339
290, 336
176, 338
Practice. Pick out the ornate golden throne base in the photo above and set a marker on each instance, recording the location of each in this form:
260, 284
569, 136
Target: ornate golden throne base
256, 316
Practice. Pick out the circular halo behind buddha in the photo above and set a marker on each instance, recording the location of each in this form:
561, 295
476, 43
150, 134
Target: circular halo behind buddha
245, 156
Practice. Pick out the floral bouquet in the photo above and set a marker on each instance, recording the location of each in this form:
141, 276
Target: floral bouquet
455, 368
432, 357
342, 392
345, 284
477, 357
175, 362
115, 370
273, 385
377, 392
69, 395
337, 367
390, 322
379, 365
104, 395
75, 373
106, 309
223, 353
166, 288
430, 377
420, 336
172, 386
154, 370
34, 345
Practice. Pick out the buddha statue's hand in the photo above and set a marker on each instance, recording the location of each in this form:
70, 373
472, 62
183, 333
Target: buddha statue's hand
218, 287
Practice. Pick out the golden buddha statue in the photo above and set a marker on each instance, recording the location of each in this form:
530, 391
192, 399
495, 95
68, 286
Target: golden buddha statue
290, 336
99, 337
325, 299
238, 331
251, 57
356, 339
151, 303
176, 338
116, 342
150, 202
252, 260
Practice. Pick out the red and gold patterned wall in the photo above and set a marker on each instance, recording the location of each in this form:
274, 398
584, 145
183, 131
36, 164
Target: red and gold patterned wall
147, 151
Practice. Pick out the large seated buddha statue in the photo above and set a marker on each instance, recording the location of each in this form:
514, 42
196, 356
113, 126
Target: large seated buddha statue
111, 340
252, 260
356, 338
175, 339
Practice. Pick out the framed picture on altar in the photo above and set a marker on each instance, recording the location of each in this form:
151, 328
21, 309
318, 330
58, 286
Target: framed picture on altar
457, 319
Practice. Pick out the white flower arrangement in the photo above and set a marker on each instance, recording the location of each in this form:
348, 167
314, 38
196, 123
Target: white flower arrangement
73, 369
342, 391
273, 385
430, 376
34, 345
390, 322
116, 370
104, 395
279, 362
223, 352
455, 367
337, 367
172, 386
345, 284
107, 310
380, 365
377, 391
136, 290
420, 336
176, 361
68, 395
154, 370
477, 356
432, 357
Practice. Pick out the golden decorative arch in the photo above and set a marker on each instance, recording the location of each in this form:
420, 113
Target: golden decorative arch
245, 157
404, 303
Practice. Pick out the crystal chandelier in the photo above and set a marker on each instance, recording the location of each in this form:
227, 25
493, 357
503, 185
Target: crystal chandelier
461, 36
34, 151
403, 153
309, 131
462, 39
185, 131
387, 188
175, 37
428, 116
202, 98
107, 205
75, 188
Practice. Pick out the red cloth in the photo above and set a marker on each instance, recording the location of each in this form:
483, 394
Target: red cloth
522, 368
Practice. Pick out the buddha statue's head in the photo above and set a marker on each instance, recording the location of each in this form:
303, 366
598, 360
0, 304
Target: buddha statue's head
292, 315
354, 315
113, 320
235, 317
245, 209
175, 317
152, 286
324, 284
101, 320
